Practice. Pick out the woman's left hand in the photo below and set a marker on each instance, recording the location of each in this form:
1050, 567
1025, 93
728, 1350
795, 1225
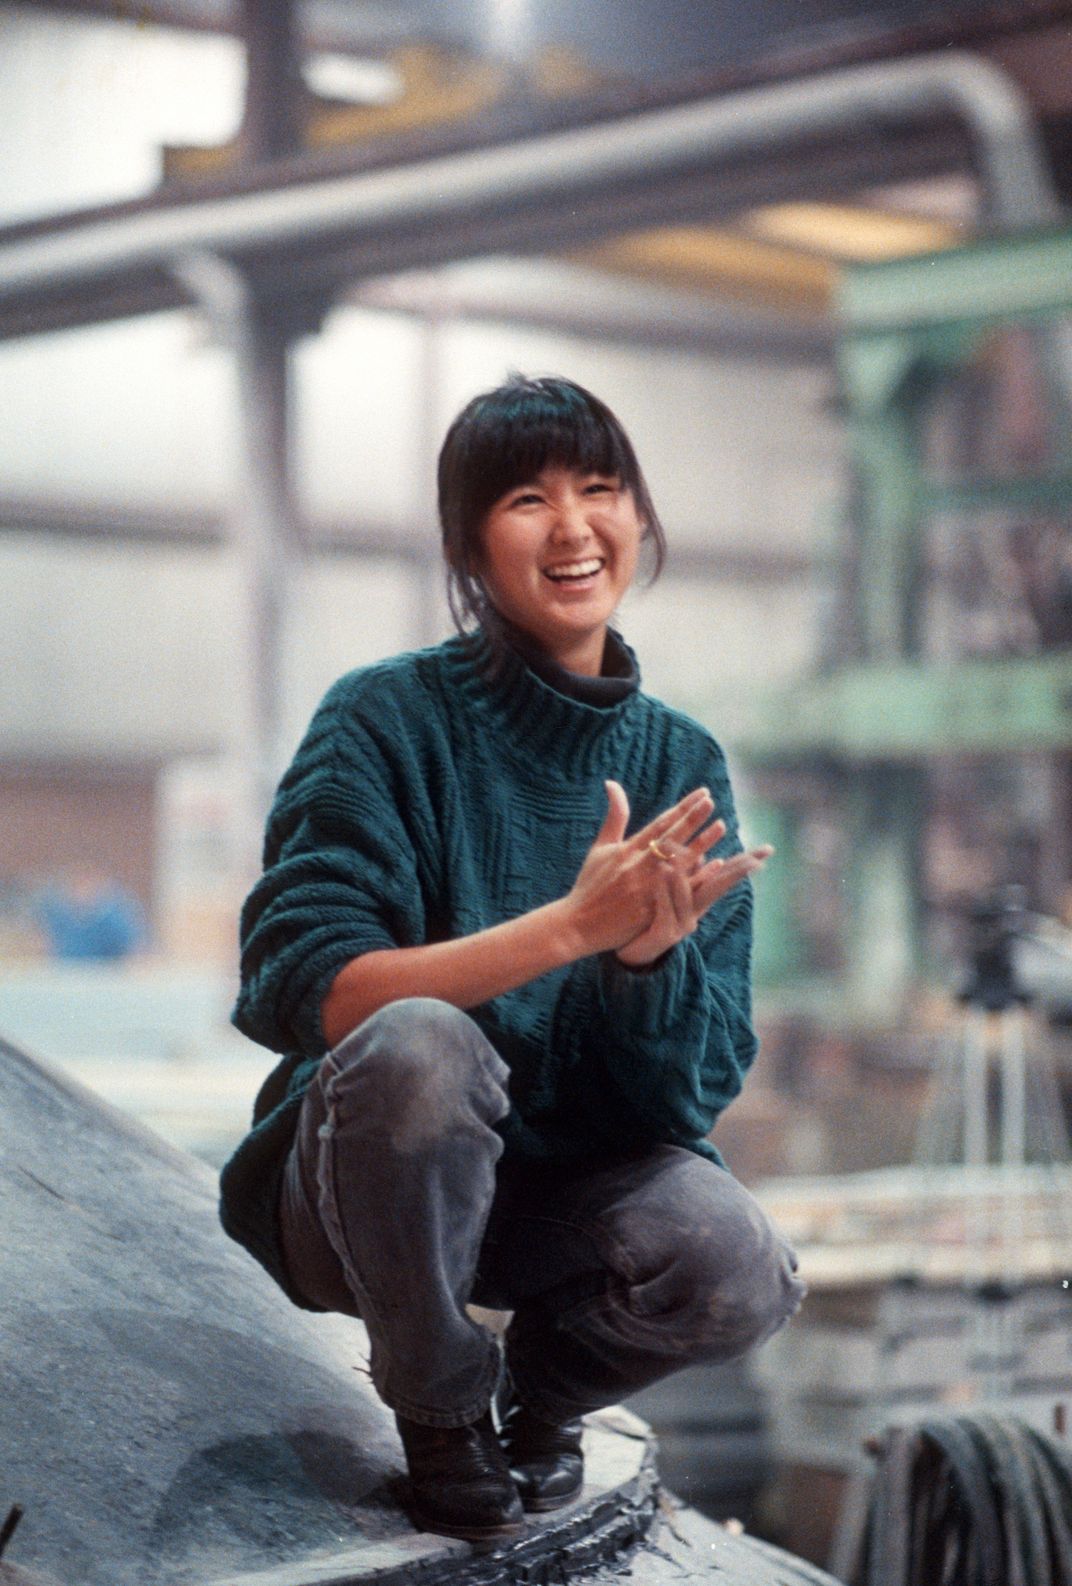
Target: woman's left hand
691, 886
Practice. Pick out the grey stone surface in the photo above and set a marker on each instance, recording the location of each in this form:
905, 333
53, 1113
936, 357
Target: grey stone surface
167, 1418
685, 1546
165, 1412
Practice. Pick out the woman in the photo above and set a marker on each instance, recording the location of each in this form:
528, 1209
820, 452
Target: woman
505, 1042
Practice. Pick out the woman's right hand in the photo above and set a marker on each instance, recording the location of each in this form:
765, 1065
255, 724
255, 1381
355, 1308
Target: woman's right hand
616, 894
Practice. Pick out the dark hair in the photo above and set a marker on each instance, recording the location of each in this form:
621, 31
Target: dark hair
506, 437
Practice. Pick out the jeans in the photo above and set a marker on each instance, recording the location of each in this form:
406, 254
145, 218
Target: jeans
396, 1208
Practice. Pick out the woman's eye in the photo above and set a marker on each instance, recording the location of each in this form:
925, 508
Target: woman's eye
598, 487
525, 499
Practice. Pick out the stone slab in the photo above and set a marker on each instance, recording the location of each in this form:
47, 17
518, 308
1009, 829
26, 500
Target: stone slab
168, 1418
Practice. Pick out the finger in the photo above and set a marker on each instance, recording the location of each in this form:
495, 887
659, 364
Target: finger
706, 838
681, 899
666, 852
747, 856
685, 808
617, 817
720, 876
684, 825
710, 892
725, 873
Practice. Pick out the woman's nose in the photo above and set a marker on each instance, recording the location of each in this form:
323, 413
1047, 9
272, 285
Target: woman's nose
570, 521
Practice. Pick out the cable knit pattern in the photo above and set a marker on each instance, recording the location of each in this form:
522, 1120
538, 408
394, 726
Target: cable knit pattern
441, 792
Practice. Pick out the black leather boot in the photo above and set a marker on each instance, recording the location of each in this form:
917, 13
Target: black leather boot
545, 1457
460, 1484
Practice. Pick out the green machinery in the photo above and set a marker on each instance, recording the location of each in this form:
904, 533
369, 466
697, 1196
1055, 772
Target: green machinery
864, 729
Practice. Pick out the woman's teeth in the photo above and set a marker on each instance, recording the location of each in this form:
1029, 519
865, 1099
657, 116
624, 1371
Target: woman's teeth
565, 571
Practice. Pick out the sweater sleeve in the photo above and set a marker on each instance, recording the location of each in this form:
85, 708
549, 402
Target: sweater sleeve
340, 879
683, 1038
674, 1041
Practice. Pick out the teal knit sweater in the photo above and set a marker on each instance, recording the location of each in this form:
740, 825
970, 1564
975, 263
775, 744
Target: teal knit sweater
441, 792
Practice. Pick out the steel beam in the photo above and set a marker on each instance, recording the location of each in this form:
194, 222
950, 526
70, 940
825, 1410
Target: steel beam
1022, 277
779, 952
884, 936
1026, 493
522, 193
888, 563
272, 120
909, 711
267, 534
326, 24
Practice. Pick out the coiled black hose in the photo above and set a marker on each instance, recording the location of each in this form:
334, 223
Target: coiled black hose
968, 1500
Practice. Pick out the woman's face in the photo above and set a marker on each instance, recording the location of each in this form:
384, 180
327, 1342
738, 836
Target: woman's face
558, 554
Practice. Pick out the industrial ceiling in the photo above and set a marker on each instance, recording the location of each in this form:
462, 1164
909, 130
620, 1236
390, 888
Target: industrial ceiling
765, 226
484, 72
637, 40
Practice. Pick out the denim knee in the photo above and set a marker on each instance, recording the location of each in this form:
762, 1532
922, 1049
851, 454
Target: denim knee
423, 1065
708, 1266
749, 1291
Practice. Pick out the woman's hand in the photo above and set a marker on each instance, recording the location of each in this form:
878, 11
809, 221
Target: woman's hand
628, 898
690, 888
623, 884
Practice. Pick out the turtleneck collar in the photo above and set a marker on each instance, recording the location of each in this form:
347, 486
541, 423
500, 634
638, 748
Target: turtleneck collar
619, 678
543, 714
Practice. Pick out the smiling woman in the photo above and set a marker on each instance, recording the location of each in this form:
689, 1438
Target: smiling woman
556, 557
505, 445
510, 1011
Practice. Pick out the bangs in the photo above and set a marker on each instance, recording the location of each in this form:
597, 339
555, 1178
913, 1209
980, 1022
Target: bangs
516, 437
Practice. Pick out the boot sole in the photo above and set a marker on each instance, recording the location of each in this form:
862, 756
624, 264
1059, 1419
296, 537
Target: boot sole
467, 1533
546, 1505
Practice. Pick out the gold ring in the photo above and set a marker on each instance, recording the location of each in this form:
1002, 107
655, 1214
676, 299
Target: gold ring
658, 850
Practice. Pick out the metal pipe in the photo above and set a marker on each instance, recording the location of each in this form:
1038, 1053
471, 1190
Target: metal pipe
268, 539
976, 1134
449, 195
1013, 1091
1013, 1125
976, 1061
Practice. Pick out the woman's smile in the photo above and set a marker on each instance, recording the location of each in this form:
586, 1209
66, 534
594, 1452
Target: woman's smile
575, 573
559, 552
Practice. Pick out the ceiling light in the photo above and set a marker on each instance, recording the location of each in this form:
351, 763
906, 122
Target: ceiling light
509, 29
354, 80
